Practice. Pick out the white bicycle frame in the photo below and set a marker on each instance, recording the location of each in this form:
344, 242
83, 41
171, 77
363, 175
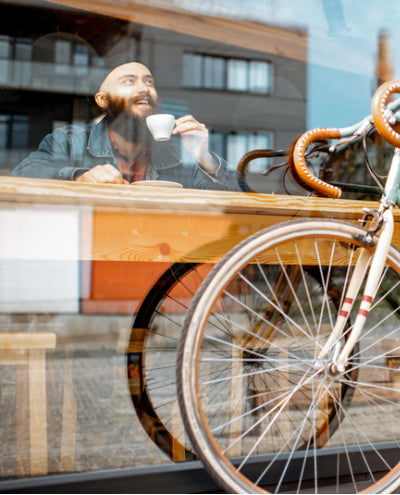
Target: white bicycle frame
380, 232
385, 217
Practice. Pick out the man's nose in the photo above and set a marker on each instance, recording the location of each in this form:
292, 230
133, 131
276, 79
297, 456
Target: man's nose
142, 87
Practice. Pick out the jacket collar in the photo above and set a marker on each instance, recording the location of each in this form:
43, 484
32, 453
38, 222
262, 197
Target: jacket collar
99, 143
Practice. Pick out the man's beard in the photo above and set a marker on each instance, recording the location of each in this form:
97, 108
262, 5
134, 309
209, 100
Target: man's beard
130, 126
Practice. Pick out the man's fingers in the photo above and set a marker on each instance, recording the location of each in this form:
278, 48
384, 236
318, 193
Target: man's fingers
185, 118
107, 174
188, 124
102, 174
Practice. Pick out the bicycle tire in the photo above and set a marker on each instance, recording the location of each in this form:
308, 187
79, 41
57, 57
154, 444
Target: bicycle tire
363, 448
147, 383
154, 337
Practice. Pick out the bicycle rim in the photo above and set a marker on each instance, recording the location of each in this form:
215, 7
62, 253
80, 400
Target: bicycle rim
262, 412
151, 357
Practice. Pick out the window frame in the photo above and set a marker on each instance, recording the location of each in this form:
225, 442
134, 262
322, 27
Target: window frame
10, 121
203, 85
249, 135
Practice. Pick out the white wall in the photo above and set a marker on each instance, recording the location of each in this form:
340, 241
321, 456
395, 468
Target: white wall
39, 259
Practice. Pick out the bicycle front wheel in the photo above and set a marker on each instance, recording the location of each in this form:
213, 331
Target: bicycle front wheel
263, 411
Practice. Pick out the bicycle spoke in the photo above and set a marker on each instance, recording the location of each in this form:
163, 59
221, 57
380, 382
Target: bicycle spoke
261, 383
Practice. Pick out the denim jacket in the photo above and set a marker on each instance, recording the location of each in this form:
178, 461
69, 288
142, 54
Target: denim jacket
75, 149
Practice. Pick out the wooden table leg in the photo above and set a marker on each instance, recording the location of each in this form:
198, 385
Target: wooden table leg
22, 418
38, 411
27, 350
68, 433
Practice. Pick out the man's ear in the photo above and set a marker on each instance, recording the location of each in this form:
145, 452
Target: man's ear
101, 99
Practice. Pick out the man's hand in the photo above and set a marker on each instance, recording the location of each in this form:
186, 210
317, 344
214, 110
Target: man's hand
194, 137
102, 174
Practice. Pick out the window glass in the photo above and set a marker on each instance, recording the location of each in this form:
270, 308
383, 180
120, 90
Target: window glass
259, 77
97, 61
81, 54
5, 46
20, 131
238, 75
62, 52
78, 257
192, 70
230, 74
14, 131
81, 59
4, 130
236, 145
259, 141
23, 49
213, 72
218, 142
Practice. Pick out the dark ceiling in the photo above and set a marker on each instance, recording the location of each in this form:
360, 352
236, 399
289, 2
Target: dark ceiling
99, 31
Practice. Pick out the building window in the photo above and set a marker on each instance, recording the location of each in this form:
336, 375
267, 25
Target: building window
81, 54
232, 74
15, 48
66, 52
23, 49
62, 51
14, 131
5, 47
233, 145
69, 53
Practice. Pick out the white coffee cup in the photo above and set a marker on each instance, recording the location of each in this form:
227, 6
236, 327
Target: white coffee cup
161, 125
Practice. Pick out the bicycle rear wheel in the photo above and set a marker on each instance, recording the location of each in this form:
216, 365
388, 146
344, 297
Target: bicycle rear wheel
262, 411
151, 357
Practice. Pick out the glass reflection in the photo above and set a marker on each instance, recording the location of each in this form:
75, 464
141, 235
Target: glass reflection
258, 74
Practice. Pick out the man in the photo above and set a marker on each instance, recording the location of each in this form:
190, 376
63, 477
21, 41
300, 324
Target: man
118, 149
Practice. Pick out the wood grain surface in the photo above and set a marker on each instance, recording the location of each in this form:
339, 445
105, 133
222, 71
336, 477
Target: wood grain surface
127, 223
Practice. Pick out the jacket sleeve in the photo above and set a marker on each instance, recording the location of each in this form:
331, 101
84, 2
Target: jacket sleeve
225, 178
52, 159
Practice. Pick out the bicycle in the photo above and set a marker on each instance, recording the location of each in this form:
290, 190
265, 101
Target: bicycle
151, 356
280, 388
151, 351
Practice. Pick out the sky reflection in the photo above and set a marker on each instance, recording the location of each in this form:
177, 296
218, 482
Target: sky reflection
342, 47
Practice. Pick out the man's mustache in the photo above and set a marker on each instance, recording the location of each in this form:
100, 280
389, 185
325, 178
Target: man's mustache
120, 107
138, 99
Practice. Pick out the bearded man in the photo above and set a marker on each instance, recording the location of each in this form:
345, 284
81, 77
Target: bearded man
118, 149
